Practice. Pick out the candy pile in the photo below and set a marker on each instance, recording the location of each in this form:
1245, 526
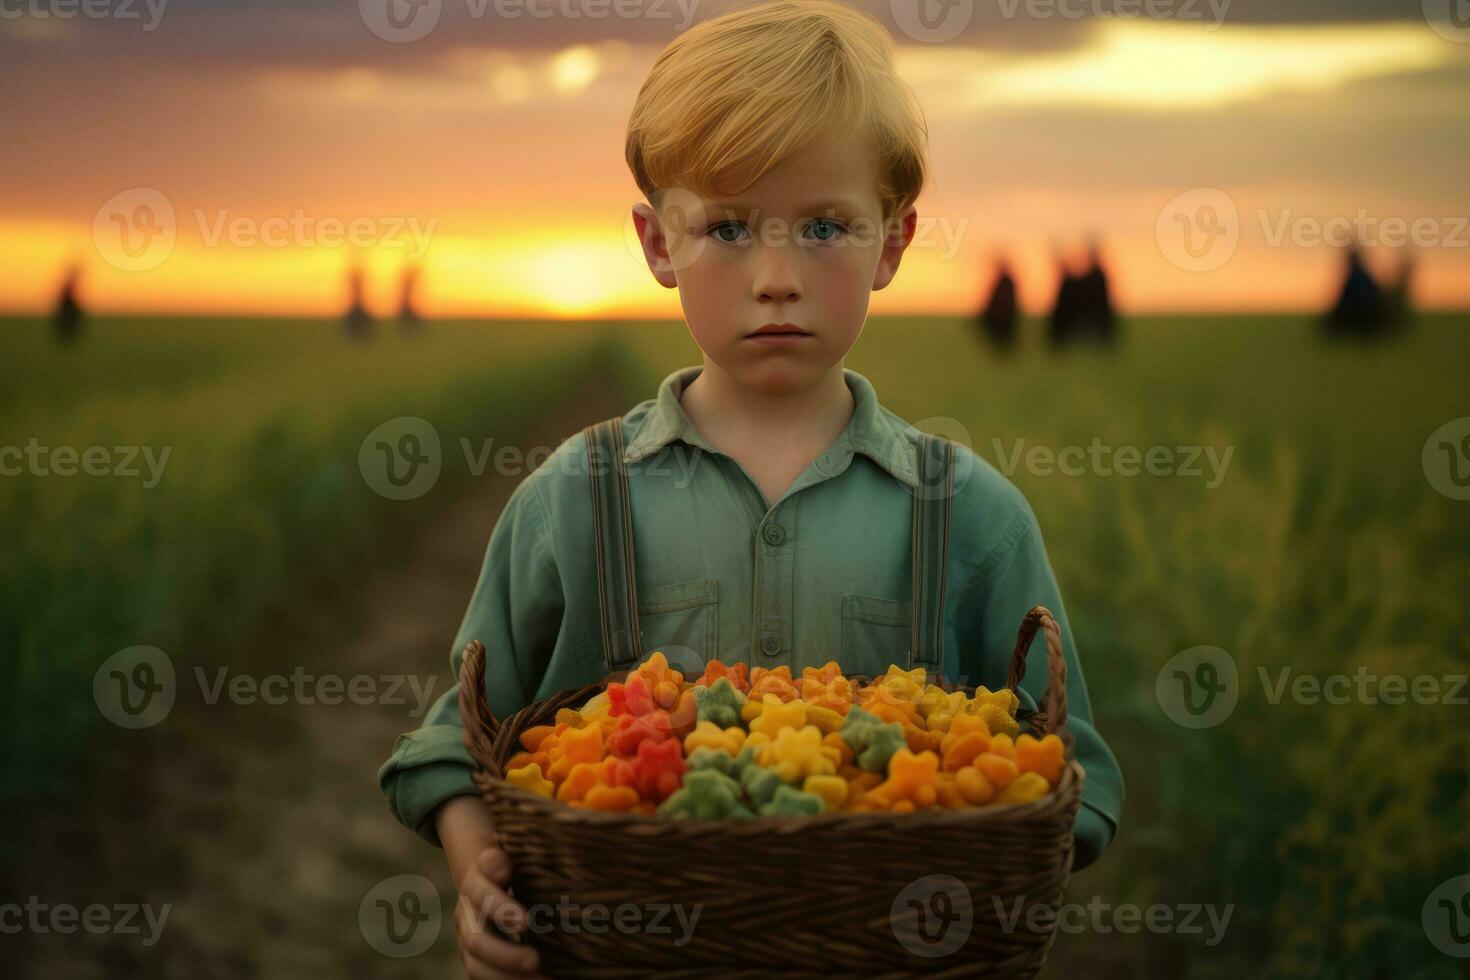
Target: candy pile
737, 743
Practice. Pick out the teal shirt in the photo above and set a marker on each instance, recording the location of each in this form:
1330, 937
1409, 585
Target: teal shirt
823, 574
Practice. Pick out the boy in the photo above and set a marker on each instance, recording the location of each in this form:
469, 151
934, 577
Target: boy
770, 494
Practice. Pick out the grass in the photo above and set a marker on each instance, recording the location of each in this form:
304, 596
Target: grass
262, 422
1323, 549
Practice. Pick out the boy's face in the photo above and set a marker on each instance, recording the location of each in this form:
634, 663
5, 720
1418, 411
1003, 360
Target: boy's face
803, 246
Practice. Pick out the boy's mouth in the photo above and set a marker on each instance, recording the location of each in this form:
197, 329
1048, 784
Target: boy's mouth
779, 330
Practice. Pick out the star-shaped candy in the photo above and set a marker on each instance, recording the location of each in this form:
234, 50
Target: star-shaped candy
719, 703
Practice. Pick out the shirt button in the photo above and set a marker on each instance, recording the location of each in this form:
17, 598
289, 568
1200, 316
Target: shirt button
770, 646
774, 534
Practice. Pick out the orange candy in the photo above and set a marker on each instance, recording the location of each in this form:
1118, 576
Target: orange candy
775, 681
911, 782
999, 770
1046, 757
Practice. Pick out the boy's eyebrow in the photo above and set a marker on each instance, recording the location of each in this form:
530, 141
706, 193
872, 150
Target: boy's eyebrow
831, 203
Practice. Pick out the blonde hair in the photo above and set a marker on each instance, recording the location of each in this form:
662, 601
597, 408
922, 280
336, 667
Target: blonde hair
737, 94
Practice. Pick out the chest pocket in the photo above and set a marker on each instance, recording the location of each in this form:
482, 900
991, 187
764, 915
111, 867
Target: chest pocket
682, 620
876, 632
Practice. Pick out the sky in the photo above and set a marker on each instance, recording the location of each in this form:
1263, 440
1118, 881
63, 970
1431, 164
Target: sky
233, 157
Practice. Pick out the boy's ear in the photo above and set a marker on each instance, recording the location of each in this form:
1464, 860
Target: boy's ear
898, 232
655, 245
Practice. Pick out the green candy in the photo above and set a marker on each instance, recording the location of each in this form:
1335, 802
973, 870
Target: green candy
872, 741
717, 759
791, 802
707, 794
760, 784
720, 703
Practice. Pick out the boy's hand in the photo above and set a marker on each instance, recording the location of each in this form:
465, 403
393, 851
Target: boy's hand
481, 872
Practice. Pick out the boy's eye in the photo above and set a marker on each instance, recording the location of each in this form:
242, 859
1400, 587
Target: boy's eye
720, 230
825, 229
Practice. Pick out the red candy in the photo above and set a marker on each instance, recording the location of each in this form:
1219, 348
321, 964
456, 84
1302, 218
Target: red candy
634, 730
659, 769
630, 698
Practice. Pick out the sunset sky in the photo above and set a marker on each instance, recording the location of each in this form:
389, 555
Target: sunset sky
491, 150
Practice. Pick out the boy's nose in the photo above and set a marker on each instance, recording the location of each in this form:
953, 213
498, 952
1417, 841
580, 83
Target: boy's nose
775, 275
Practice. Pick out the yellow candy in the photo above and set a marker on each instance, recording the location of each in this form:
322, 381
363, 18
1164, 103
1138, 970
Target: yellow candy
795, 754
709, 735
530, 778
776, 715
597, 706
832, 789
973, 785
998, 720
825, 719
1027, 787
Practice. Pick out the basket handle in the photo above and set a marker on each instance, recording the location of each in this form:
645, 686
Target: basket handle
480, 724
1051, 710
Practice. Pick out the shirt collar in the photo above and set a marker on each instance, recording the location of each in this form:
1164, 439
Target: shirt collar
873, 431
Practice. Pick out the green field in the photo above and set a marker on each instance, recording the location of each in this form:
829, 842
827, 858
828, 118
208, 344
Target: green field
1322, 547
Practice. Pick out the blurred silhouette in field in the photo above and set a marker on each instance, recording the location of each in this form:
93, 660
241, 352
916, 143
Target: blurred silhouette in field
1364, 308
66, 320
1400, 294
998, 318
1084, 307
1064, 310
1097, 320
359, 322
409, 319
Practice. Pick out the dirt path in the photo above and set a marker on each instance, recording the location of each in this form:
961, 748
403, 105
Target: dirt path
261, 827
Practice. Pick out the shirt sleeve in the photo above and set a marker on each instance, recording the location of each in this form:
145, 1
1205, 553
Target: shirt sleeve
1014, 576
516, 611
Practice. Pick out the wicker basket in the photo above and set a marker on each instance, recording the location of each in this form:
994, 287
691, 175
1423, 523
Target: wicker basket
939, 892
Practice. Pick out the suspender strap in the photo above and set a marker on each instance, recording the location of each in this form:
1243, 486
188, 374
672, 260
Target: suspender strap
612, 523
931, 549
